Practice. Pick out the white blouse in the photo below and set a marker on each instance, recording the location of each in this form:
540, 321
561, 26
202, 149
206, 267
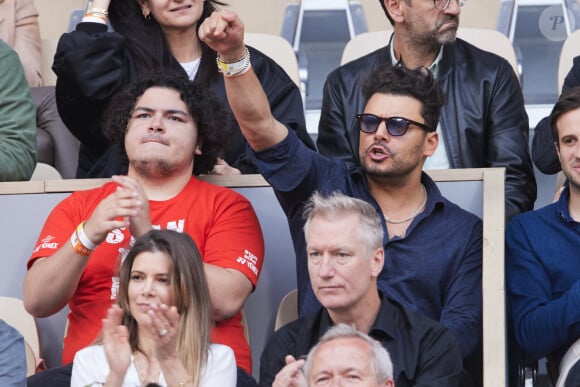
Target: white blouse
90, 368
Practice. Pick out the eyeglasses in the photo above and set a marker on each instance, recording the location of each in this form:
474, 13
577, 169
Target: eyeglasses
442, 5
396, 126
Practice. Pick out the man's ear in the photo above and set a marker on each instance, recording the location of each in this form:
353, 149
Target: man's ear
377, 261
430, 144
395, 9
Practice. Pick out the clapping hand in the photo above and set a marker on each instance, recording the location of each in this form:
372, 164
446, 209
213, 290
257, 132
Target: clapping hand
116, 343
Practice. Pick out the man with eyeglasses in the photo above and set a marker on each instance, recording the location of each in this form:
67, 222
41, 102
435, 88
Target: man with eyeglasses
483, 122
433, 247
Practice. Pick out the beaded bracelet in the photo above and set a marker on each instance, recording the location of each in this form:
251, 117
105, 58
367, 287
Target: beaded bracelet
96, 15
236, 68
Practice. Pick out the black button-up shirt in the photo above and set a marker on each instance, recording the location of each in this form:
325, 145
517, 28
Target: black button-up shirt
423, 352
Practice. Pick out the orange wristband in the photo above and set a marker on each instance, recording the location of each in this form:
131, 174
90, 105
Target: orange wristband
77, 245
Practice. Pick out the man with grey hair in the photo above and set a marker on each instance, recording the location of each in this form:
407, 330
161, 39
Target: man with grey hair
345, 257
344, 354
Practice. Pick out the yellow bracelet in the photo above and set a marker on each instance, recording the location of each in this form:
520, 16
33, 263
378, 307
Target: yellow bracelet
83, 238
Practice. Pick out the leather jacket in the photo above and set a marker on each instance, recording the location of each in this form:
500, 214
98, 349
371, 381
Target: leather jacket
483, 120
92, 64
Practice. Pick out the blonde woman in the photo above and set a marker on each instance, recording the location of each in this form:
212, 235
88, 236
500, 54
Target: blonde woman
158, 332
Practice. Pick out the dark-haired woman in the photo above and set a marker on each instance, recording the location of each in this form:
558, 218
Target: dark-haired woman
92, 63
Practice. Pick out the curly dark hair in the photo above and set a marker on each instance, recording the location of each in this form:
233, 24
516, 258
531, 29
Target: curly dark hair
146, 41
419, 84
213, 126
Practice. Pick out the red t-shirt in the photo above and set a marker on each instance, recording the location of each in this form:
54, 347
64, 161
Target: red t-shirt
220, 221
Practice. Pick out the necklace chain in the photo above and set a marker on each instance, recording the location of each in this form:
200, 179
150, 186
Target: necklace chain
139, 366
413, 215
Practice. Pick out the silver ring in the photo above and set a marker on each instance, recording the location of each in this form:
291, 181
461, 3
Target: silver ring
163, 332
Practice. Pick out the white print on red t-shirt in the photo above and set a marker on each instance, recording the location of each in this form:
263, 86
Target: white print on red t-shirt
46, 243
114, 287
115, 236
249, 260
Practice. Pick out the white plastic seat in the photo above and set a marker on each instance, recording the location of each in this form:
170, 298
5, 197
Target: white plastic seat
485, 39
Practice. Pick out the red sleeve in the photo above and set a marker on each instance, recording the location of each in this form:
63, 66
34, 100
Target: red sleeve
56, 231
235, 239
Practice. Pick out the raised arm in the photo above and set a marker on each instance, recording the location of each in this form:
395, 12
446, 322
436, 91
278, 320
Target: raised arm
224, 32
91, 66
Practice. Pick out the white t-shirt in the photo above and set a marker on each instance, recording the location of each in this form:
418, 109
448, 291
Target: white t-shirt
191, 68
90, 368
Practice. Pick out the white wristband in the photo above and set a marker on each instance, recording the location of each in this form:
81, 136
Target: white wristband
93, 19
233, 69
83, 238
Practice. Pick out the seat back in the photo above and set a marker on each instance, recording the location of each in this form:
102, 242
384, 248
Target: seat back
48, 47
287, 310
570, 49
45, 172
12, 311
53, 16
30, 359
485, 39
278, 49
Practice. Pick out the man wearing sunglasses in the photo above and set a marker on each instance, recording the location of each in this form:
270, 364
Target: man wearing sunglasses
483, 122
432, 247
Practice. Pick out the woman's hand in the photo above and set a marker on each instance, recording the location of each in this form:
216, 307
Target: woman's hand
163, 326
223, 32
116, 343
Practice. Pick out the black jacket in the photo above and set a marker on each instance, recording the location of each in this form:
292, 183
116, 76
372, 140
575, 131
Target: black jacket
93, 64
543, 150
483, 119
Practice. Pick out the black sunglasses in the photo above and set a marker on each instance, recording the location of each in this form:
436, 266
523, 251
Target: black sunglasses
396, 126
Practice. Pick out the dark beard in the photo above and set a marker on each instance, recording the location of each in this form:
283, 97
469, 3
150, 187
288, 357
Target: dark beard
153, 168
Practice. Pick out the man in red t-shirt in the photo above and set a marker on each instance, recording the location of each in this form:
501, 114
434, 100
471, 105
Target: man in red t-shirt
170, 131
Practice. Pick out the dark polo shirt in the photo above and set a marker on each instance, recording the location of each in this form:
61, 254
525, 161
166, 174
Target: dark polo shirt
423, 352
